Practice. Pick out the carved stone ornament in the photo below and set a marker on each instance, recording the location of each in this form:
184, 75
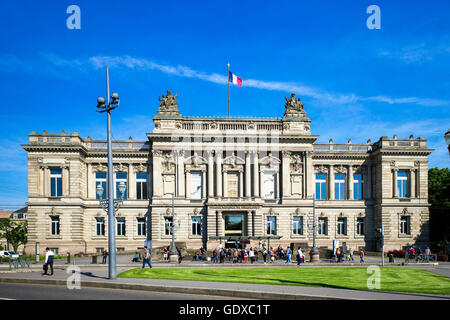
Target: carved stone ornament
168, 105
196, 160
233, 161
296, 164
251, 125
321, 169
140, 167
100, 168
195, 211
120, 168
340, 169
168, 164
213, 125
270, 161
294, 107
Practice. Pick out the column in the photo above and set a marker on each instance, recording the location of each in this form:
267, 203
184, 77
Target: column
41, 181
65, 181
225, 184
249, 224
247, 175
331, 183
241, 184
203, 184
368, 184
188, 183
309, 175
350, 183
157, 183
286, 173
131, 182
180, 177
91, 182
219, 224
219, 174
412, 186
395, 182
210, 174
256, 175
46, 182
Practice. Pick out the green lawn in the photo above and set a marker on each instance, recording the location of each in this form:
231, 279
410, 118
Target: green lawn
392, 278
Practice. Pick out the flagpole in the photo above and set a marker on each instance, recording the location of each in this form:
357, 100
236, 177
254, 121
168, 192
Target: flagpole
228, 75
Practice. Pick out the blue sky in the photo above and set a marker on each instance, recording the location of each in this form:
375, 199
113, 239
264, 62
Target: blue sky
355, 83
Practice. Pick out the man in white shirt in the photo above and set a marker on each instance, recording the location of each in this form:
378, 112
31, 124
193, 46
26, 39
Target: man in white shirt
49, 260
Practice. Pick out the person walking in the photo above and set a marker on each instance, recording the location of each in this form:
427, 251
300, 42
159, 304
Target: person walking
288, 255
299, 256
105, 254
427, 254
147, 258
235, 256
264, 254
180, 255
350, 253
361, 257
49, 261
251, 254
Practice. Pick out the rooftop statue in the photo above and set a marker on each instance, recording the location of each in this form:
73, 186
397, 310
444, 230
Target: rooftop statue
168, 105
294, 107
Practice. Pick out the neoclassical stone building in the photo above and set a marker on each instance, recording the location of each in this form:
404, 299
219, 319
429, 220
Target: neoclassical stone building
228, 178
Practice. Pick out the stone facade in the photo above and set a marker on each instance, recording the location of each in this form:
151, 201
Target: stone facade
249, 177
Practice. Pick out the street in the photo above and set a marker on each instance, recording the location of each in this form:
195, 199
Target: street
10, 291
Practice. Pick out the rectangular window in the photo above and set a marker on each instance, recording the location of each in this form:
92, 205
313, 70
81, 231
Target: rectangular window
100, 179
55, 225
321, 186
121, 177
297, 226
100, 223
196, 226
360, 226
269, 185
141, 227
196, 185
55, 251
233, 184
358, 187
56, 182
402, 183
120, 226
404, 225
342, 226
271, 226
339, 186
141, 186
322, 226
168, 226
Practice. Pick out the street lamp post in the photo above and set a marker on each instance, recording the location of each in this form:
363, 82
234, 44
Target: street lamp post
109, 204
173, 252
447, 139
314, 254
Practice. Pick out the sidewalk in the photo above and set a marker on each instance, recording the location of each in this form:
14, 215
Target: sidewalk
97, 277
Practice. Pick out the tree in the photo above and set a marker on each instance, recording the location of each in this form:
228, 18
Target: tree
14, 232
439, 198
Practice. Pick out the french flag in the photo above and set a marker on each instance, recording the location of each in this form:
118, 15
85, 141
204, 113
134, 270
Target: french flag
234, 79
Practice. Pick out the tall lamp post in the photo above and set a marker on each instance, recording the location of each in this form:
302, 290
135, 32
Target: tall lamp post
447, 139
314, 254
173, 252
109, 204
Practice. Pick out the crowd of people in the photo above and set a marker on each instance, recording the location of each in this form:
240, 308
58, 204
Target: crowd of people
250, 255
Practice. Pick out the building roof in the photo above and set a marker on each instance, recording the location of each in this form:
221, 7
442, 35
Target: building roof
5, 214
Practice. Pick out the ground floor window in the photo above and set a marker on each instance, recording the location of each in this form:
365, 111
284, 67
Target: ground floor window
233, 224
342, 226
360, 226
141, 227
55, 225
297, 226
168, 226
121, 226
271, 226
196, 226
404, 225
322, 230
